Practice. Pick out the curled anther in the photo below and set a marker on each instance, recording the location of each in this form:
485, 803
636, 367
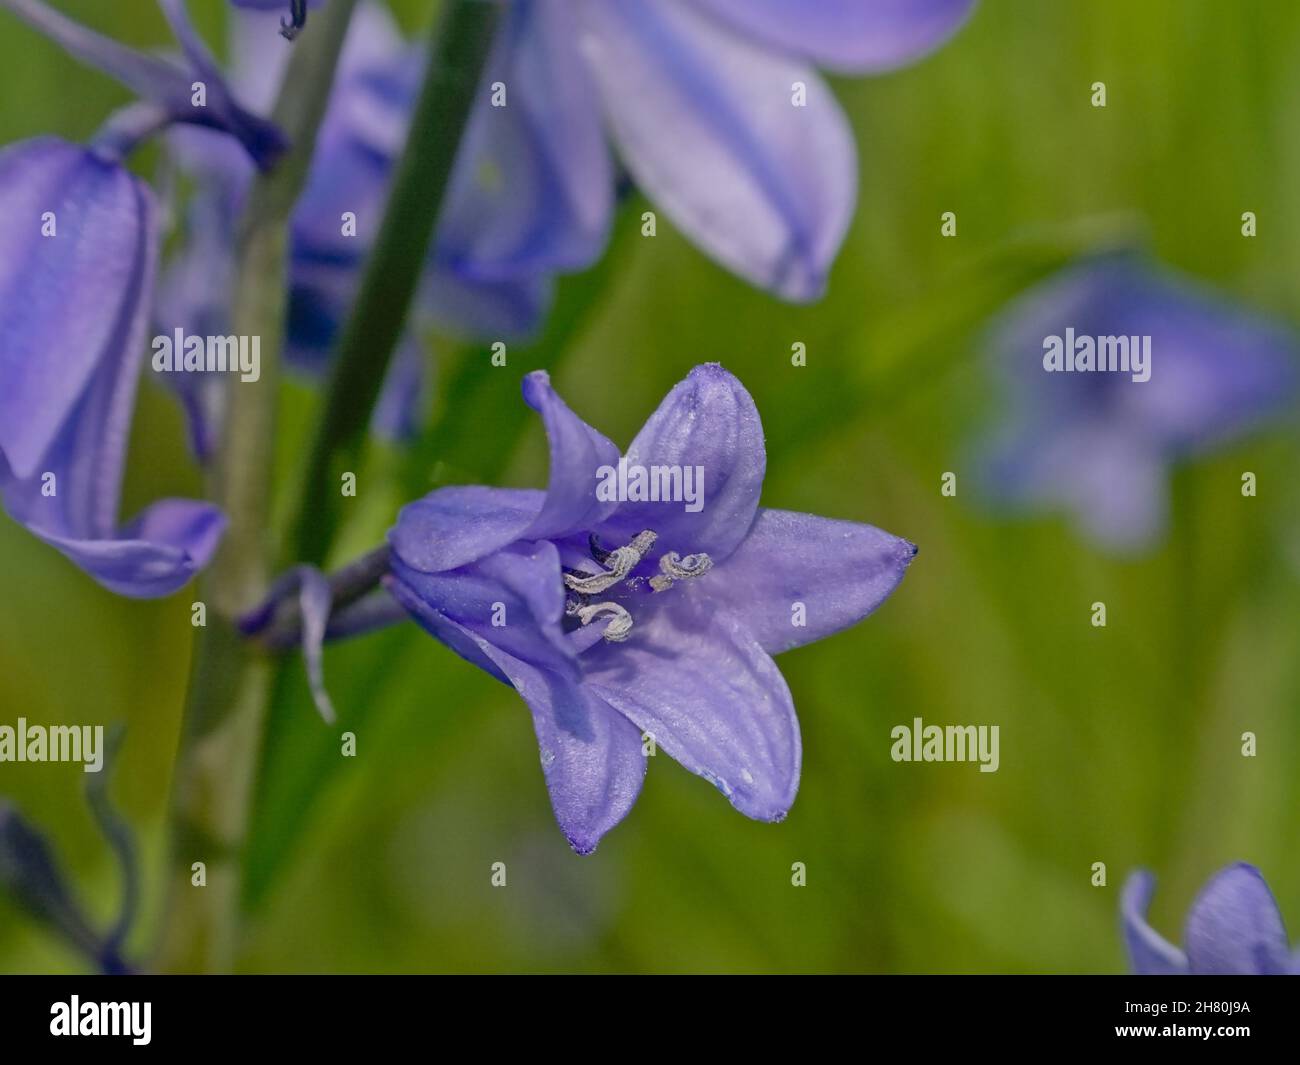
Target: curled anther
619, 563
673, 567
620, 624
684, 569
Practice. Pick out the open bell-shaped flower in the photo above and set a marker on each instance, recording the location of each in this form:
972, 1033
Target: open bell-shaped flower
619, 617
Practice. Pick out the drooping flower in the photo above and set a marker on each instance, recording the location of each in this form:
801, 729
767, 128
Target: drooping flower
1234, 928
332, 229
76, 274
1099, 443
193, 92
360, 142
716, 109
613, 618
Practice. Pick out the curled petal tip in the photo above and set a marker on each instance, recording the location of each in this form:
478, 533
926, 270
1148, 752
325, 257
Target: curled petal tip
583, 847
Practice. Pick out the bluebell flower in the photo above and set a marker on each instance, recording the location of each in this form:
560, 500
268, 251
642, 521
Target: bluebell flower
1099, 444
77, 267
167, 85
360, 142
1234, 928
613, 618
716, 109
77, 275
765, 186
357, 148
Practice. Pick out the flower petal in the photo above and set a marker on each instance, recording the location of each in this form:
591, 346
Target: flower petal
1216, 368
839, 570
532, 191
160, 81
454, 526
64, 424
361, 136
261, 138
708, 421
315, 601
577, 452
399, 411
707, 123
497, 309
155, 555
698, 682
591, 755
1234, 927
1113, 483
514, 598
848, 35
1150, 953
61, 296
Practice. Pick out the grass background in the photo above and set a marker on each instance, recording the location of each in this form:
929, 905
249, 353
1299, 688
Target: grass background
1119, 745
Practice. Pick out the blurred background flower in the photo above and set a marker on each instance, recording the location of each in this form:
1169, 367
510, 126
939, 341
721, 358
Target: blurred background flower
1099, 443
1234, 928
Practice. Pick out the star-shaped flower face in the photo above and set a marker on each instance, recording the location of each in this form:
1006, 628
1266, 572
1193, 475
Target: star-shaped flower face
642, 599
1099, 442
1234, 928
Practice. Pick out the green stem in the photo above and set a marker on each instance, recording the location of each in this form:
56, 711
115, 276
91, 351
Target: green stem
212, 782
458, 53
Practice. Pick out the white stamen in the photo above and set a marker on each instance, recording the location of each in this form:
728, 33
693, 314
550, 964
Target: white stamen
619, 563
676, 568
620, 625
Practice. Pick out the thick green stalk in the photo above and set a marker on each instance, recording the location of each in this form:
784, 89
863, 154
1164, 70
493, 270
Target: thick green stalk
458, 53
212, 782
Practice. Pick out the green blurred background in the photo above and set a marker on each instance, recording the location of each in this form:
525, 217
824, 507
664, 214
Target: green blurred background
1119, 745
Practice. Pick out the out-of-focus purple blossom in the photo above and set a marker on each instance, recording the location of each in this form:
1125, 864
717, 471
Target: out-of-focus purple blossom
1099, 444
333, 225
168, 85
853, 36
763, 185
1234, 928
76, 274
716, 109
666, 629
